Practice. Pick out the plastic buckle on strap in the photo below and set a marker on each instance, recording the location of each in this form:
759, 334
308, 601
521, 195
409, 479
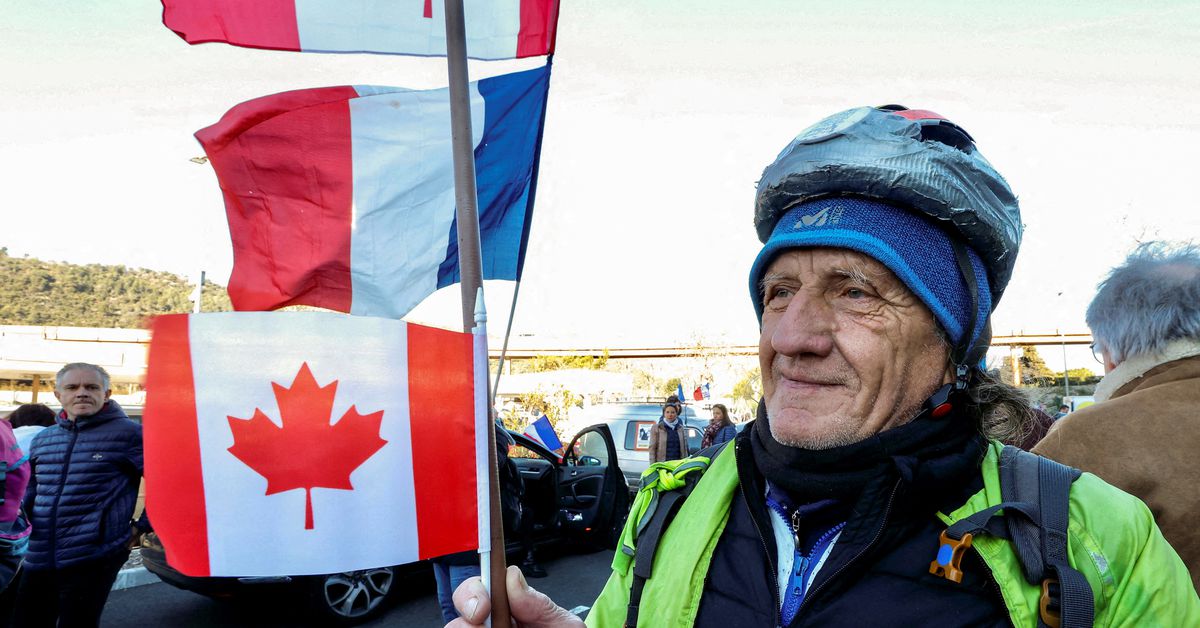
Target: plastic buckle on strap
1049, 608
948, 563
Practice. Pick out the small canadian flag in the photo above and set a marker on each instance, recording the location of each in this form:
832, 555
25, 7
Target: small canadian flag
291, 443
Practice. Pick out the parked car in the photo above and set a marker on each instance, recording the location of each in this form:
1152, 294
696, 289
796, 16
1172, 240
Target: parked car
630, 425
580, 497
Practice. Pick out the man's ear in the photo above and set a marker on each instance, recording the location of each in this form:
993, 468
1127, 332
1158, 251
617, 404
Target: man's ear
1109, 364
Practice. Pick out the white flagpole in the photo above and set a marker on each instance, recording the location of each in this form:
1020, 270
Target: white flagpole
483, 428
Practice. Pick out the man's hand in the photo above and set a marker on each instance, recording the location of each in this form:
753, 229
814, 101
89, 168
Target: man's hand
135, 537
529, 607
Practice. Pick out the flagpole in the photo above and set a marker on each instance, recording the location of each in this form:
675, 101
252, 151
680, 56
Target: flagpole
470, 267
504, 348
537, 163
482, 489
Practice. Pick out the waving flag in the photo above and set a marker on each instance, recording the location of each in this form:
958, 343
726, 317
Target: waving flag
542, 432
495, 29
292, 443
679, 392
698, 393
343, 197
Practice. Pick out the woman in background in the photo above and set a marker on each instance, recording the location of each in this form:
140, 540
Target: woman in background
720, 429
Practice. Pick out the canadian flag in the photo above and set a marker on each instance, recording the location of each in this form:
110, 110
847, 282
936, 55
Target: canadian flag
291, 443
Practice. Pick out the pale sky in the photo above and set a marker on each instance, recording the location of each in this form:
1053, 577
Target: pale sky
662, 116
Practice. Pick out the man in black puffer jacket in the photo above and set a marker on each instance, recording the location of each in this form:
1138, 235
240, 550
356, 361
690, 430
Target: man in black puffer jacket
81, 496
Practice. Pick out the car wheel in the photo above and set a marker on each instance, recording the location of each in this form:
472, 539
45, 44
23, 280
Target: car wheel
354, 596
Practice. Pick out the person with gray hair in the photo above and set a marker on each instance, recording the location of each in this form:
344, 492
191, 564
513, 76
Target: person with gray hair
1144, 430
81, 496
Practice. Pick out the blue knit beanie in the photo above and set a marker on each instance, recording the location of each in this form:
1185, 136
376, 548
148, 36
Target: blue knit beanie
915, 249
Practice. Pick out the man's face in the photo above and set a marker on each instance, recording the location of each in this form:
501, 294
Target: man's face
846, 350
81, 392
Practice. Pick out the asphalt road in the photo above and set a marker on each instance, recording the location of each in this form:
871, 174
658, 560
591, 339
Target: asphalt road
574, 580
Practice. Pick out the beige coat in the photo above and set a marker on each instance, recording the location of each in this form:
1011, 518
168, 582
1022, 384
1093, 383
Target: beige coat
658, 442
1143, 436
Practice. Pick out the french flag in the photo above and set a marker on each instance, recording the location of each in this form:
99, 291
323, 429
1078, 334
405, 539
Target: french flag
495, 29
289, 443
542, 432
343, 197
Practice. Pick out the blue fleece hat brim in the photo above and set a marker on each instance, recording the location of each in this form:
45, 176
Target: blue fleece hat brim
914, 248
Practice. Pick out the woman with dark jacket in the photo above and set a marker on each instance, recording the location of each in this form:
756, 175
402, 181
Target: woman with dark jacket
720, 429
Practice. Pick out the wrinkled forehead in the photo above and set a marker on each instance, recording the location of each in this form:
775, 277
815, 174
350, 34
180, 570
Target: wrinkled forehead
830, 263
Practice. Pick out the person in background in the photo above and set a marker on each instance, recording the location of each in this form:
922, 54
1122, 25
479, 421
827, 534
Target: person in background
81, 498
720, 429
1039, 424
29, 419
1063, 411
14, 526
668, 437
673, 400
450, 571
1143, 432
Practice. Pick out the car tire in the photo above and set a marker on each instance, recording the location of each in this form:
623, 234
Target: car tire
352, 597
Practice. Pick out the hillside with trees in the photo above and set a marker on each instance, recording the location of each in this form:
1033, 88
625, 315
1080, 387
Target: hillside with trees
36, 292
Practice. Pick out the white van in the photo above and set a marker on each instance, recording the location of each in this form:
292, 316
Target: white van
630, 425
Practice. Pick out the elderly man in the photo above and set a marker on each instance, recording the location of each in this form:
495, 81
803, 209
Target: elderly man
80, 500
867, 492
1144, 430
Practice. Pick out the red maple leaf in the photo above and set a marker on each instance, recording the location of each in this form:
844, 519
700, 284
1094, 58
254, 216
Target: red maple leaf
307, 452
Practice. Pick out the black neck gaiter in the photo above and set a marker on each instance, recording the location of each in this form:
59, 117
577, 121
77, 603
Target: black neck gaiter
923, 453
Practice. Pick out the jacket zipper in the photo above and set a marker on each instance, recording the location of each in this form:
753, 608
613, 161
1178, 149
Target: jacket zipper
766, 552
62, 482
995, 586
878, 533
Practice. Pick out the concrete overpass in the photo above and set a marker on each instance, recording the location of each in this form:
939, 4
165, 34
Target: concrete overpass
35, 353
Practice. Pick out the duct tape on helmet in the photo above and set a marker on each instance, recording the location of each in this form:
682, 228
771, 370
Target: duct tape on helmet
883, 155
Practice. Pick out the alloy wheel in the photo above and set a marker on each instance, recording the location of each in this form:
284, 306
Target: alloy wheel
353, 594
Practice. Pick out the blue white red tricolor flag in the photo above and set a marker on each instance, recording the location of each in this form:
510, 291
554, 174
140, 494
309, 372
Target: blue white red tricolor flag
542, 432
495, 29
290, 443
343, 197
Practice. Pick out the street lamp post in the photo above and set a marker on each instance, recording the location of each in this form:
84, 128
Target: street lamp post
1066, 375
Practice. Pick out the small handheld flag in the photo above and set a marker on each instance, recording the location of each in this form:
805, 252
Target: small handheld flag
542, 432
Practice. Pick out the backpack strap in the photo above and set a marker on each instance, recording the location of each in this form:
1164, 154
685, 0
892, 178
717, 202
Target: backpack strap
665, 486
1035, 495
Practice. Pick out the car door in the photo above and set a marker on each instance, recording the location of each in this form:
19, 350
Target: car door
694, 436
593, 495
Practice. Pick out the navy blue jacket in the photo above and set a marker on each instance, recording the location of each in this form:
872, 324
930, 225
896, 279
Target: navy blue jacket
83, 488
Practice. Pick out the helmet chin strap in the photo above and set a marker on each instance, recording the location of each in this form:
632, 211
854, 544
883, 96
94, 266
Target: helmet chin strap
967, 354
